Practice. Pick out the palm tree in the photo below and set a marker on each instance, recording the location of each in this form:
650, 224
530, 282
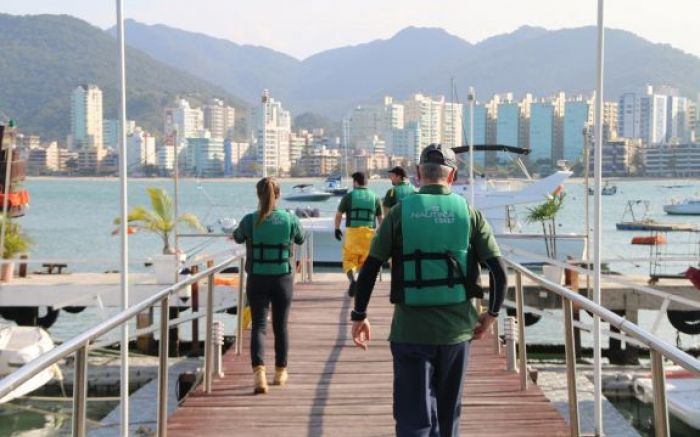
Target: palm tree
16, 241
160, 219
546, 213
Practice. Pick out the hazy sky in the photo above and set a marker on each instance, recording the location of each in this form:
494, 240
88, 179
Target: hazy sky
304, 27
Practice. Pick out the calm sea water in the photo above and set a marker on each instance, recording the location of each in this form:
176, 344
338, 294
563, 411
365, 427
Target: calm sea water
73, 219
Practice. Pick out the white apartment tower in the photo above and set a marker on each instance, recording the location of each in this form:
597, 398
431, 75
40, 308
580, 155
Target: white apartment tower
427, 113
86, 119
219, 119
452, 125
140, 150
273, 127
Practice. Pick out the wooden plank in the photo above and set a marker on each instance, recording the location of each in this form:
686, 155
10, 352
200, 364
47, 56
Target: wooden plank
336, 389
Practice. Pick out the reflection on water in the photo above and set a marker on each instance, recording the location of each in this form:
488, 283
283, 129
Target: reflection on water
641, 416
30, 418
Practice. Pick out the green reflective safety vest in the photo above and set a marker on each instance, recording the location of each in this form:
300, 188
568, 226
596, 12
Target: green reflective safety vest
403, 189
271, 244
435, 235
361, 209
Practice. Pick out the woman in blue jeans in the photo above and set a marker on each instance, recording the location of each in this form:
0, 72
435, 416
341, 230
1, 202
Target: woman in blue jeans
269, 234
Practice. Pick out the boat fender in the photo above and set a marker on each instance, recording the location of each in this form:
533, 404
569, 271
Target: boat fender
28, 316
687, 322
9, 313
530, 318
46, 321
74, 310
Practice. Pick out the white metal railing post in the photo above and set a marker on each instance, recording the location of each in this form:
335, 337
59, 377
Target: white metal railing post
240, 307
208, 347
511, 338
302, 259
497, 337
311, 258
570, 353
163, 346
522, 350
80, 391
661, 425
218, 345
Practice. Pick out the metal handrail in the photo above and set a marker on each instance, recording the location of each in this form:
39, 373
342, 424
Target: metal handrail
658, 347
81, 343
612, 279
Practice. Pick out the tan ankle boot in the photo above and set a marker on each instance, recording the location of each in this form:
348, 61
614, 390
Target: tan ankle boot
281, 376
260, 380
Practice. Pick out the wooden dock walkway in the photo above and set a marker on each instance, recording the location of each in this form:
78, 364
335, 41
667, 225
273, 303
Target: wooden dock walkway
336, 389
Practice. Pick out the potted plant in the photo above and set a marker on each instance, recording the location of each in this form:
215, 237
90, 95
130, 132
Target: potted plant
546, 214
161, 220
15, 243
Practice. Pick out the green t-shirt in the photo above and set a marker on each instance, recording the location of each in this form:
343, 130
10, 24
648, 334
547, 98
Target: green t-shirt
390, 198
244, 233
447, 324
344, 205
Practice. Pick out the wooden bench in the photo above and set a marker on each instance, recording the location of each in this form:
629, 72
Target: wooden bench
50, 267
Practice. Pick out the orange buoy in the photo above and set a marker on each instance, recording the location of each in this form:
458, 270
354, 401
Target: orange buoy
653, 240
232, 281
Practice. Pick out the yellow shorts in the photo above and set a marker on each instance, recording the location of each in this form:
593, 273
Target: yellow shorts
356, 247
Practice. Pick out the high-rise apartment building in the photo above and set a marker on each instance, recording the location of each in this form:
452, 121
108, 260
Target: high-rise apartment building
480, 129
405, 142
677, 120
206, 154
577, 116
452, 133
140, 150
427, 112
86, 119
508, 124
219, 119
183, 121
542, 130
367, 121
272, 131
110, 132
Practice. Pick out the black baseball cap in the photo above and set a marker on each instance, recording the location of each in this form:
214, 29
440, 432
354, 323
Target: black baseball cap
398, 171
438, 154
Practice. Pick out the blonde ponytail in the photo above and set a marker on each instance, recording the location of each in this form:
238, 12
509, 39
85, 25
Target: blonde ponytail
268, 191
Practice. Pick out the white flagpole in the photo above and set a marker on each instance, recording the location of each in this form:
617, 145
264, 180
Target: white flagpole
597, 226
124, 234
472, 187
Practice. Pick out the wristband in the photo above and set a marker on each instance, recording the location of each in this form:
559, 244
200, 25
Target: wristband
357, 316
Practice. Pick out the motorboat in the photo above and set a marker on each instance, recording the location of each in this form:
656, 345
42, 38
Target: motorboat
634, 220
496, 199
306, 193
687, 206
20, 345
682, 395
334, 185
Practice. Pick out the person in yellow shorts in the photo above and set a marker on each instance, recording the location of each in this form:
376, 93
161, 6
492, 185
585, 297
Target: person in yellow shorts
362, 209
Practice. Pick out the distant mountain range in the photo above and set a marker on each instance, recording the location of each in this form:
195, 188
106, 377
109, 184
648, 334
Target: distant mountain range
44, 57
529, 59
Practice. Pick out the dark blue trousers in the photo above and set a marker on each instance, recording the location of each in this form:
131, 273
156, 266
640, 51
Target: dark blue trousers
428, 388
265, 292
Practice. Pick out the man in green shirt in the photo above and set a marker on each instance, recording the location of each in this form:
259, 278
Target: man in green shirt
362, 210
433, 238
401, 188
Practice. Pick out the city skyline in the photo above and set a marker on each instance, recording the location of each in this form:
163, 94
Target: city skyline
329, 26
